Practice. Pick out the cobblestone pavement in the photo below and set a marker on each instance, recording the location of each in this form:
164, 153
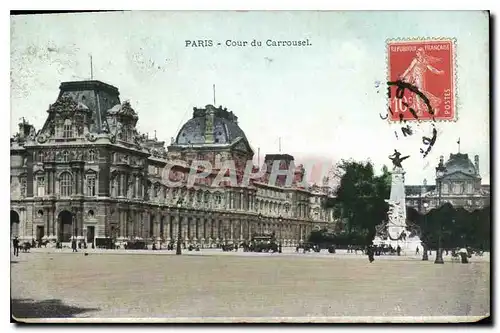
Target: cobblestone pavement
49, 283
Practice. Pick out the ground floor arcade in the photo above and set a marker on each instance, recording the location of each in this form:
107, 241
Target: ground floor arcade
61, 221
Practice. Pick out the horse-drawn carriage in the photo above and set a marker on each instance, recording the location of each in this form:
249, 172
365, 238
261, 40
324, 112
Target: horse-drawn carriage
261, 243
136, 244
308, 247
229, 247
25, 246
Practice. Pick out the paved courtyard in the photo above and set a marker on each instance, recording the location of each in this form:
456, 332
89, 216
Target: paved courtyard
243, 286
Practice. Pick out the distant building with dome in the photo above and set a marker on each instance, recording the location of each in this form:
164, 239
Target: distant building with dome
88, 174
460, 186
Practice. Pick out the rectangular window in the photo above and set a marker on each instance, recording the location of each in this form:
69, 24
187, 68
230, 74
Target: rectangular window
91, 189
67, 131
58, 131
40, 186
65, 184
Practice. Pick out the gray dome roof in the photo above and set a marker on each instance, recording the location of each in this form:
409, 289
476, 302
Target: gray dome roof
460, 162
225, 127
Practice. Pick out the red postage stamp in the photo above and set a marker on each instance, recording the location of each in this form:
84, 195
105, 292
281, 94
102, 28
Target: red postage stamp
421, 79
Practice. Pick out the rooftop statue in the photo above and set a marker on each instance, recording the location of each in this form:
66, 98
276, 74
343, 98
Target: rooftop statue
397, 159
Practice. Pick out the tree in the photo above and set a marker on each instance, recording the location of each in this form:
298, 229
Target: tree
458, 227
360, 198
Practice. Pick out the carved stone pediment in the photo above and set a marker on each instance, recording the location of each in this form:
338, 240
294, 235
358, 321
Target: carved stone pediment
63, 105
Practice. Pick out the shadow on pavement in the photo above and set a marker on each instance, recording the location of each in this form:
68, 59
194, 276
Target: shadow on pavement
52, 308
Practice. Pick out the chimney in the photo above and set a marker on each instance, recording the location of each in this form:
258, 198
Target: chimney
476, 163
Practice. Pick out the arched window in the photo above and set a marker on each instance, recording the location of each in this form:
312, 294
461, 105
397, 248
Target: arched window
91, 155
67, 129
65, 184
40, 156
65, 156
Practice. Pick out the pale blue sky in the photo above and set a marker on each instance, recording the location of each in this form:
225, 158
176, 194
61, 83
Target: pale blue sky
320, 99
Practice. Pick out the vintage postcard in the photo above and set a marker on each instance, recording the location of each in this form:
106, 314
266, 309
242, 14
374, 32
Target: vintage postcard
257, 166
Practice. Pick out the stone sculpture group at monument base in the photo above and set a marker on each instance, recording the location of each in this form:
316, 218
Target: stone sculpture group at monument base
397, 232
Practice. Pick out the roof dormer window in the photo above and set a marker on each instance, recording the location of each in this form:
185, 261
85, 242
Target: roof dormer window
67, 129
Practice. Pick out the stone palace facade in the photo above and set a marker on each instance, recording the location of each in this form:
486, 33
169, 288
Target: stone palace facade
460, 186
89, 173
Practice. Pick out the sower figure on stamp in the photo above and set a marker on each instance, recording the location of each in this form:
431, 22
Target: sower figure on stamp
397, 159
415, 75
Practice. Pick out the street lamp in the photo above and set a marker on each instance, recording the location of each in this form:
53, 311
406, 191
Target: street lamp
440, 171
425, 255
280, 219
179, 227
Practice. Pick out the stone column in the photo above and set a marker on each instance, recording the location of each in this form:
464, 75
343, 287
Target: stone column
191, 222
54, 180
80, 219
231, 231
49, 181
166, 227
123, 221
249, 223
175, 226
232, 200
159, 220
212, 229
184, 228
73, 182
46, 222
171, 222
197, 228
206, 229
82, 181
241, 229
52, 220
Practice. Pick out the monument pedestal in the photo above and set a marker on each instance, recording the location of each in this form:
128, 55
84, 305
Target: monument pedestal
396, 215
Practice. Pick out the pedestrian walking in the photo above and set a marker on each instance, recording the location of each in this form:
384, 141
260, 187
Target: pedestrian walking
417, 251
15, 243
73, 245
398, 250
369, 251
